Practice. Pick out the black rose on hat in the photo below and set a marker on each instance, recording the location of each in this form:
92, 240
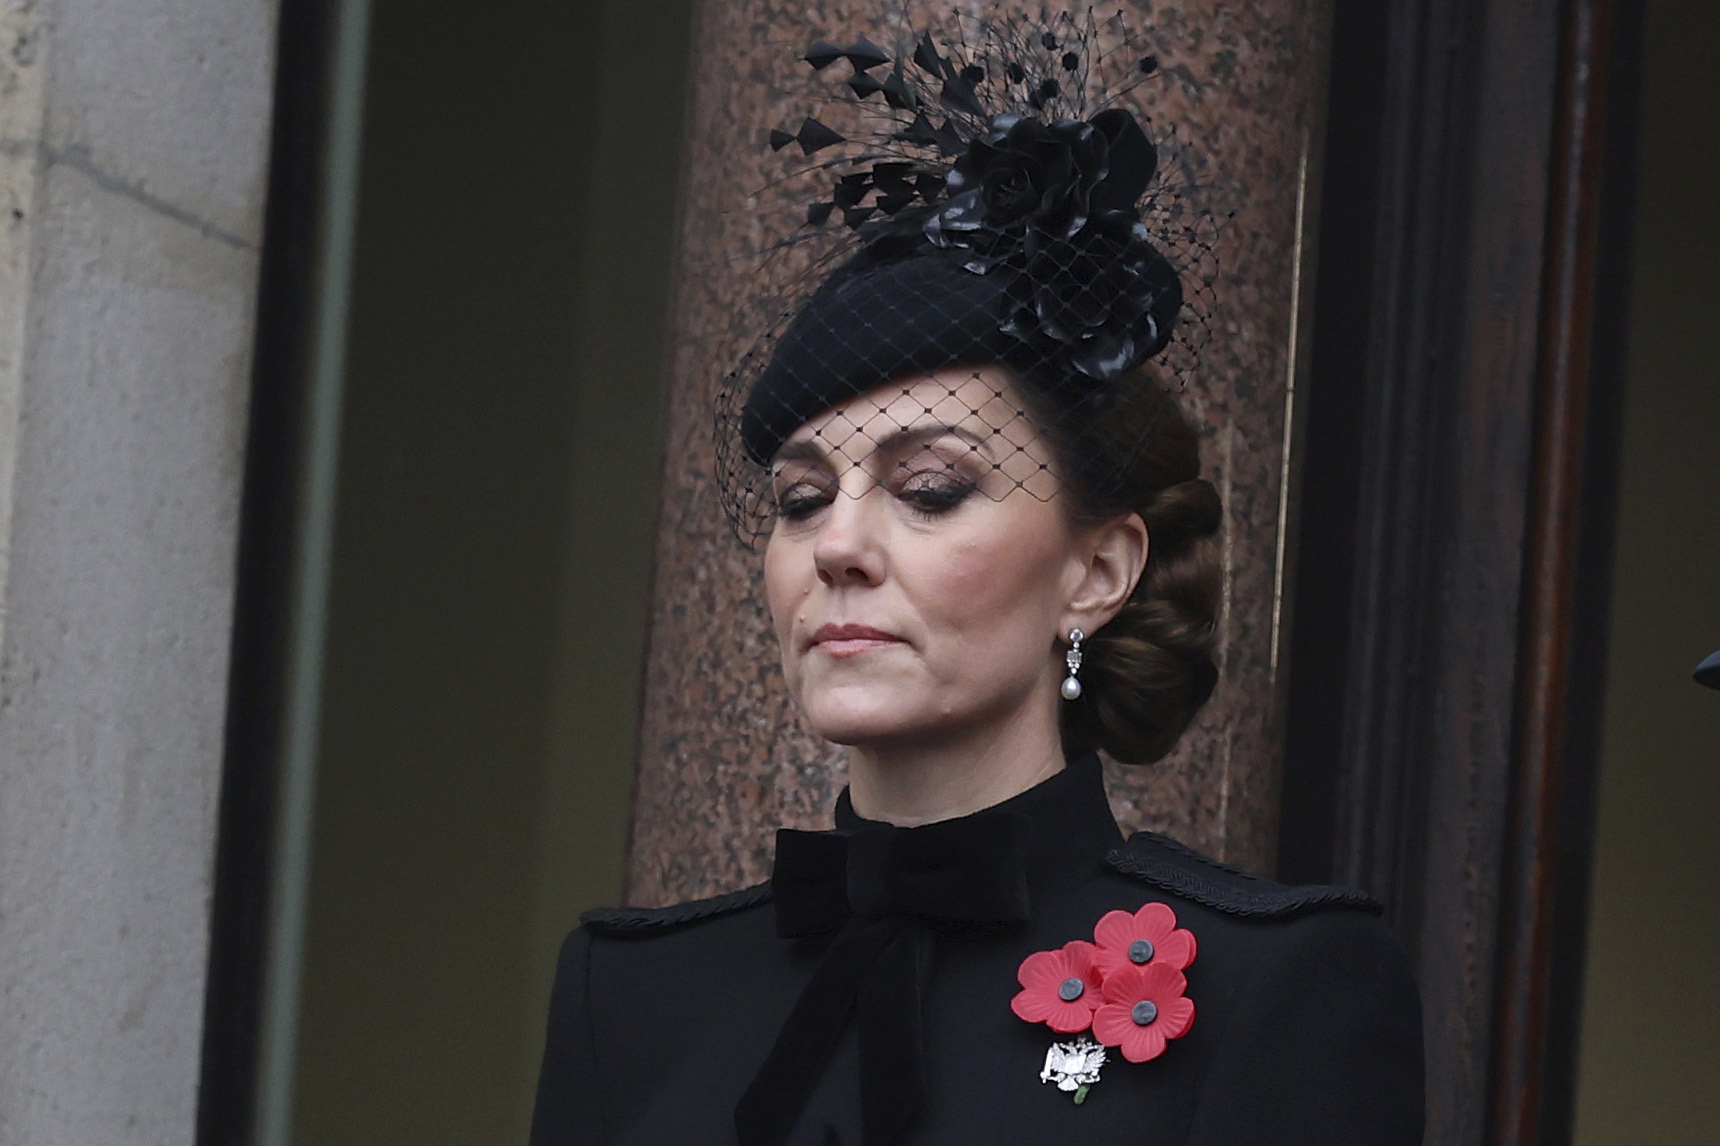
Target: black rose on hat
1052, 207
1106, 295
1024, 175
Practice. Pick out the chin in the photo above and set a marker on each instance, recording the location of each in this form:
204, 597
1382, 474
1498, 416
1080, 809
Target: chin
849, 719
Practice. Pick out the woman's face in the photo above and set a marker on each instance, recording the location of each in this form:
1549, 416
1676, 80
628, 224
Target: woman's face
920, 570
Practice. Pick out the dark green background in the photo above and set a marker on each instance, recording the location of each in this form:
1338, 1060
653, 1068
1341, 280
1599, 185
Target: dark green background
496, 509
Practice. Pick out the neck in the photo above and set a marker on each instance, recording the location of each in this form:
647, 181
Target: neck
921, 782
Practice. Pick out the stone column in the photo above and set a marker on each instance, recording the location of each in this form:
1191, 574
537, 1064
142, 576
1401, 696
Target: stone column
723, 757
133, 154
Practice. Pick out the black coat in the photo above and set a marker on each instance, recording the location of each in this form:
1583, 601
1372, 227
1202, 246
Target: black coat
1307, 1027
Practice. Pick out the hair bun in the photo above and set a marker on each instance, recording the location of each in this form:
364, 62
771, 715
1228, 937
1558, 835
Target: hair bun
1183, 512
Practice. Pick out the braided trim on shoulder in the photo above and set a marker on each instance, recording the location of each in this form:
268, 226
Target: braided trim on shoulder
1171, 866
629, 922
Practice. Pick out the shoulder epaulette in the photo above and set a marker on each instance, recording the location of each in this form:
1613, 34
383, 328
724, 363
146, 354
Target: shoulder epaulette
1170, 866
630, 921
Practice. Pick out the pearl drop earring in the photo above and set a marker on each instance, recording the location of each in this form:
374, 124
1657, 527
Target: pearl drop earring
1071, 684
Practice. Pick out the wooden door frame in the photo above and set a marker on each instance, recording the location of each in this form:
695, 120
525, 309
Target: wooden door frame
1456, 510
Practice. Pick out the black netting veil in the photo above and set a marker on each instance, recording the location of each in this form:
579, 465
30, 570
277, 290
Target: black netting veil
1001, 266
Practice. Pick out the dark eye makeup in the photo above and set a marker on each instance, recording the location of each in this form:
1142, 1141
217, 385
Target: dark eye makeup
927, 482
934, 492
802, 499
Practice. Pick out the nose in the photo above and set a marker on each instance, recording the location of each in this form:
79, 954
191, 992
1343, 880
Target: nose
849, 548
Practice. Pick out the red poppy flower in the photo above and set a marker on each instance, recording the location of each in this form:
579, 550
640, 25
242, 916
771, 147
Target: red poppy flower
1149, 936
1144, 1006
1059, 988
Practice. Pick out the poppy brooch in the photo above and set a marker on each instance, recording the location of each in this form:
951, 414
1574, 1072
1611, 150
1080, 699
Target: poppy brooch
1124, 990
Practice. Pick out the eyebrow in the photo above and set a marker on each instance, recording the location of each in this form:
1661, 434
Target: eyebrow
813, 449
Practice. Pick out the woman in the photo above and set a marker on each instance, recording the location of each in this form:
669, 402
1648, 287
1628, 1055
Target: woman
988, 556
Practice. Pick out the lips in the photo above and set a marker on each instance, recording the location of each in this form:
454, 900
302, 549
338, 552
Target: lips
842, 641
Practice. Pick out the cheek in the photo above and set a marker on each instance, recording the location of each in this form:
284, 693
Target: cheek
783, 590
783, 593
1001, 588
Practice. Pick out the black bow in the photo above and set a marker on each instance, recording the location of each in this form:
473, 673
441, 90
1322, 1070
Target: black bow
876, 888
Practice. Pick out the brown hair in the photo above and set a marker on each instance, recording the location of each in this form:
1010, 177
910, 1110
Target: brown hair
1150, 668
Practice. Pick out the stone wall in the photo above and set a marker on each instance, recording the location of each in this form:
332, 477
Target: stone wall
133, 152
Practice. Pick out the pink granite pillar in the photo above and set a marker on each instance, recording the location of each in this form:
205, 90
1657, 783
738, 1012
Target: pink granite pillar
724, 759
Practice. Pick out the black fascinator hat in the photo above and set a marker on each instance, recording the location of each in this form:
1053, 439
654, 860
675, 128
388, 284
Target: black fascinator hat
999, 202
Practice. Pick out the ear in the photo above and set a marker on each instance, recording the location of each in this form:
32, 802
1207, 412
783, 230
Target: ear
1112, 557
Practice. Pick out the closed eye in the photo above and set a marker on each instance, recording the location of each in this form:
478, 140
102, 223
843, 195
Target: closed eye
935, 493
802, 499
